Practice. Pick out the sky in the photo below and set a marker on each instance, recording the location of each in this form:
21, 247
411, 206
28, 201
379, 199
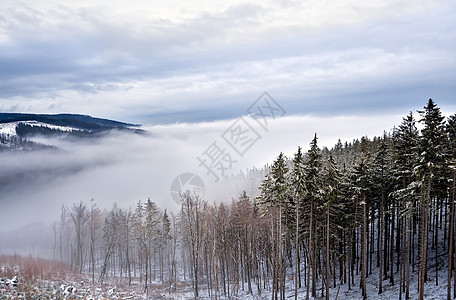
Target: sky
189, 70
159, 62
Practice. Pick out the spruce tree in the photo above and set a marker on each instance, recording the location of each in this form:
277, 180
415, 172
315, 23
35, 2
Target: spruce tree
362, 184
405, 154
332, 207
298, 192
313, 188
451, 159
428, 171
381, 189
275, 194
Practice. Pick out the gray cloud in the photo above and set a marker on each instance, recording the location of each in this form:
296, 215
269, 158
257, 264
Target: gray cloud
210, 63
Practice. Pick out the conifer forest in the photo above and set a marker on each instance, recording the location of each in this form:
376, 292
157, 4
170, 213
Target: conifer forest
366, 215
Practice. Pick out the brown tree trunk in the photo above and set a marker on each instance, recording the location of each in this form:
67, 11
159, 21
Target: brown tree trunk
310, 259
392, 243
409, 242
297, 250
364, 249
327, 252
451, 238
423, 243
380, 247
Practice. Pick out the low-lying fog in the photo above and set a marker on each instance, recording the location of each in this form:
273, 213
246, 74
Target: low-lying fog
124, 168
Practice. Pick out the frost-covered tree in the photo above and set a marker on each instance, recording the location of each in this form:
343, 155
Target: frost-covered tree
79, 216
298, 191
95, 224
192, 215
314, 193
332, 207
451, 160
275, 196
405, 153
362, 173
428, 172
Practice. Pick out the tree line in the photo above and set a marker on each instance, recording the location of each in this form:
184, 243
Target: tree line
322, 221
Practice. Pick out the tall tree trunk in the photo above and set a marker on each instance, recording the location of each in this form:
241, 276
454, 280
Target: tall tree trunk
451, 238
380, 247
279, 249
297, 250
409, 242
392, 242
423, 242
364, 249
327, 252
314, 266
436, 241
128, 257
402, 260
310, 252
215, 264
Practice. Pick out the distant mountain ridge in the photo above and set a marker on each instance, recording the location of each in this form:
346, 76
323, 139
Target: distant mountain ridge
83, 122
17, 130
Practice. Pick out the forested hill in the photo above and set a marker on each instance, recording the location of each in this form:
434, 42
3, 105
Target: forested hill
83, 122
17, 129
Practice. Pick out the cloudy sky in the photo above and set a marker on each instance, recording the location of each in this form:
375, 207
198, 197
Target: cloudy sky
156, 62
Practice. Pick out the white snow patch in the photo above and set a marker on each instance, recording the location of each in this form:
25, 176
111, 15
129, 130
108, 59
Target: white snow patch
8, 128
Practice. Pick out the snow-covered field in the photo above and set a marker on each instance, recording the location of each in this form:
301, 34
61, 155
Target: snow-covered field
26, 282
34, 278
79, 286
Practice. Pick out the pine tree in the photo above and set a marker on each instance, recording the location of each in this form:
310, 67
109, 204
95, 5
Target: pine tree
298, 191
451, 132
405, 158
165, 237
313, 188
381, 184
430, 167
362, 185
152, 219
275, 193
192, 211
139, 231
331, 205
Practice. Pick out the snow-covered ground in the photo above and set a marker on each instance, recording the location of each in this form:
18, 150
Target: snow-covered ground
8, 128
79, 286
43, 279
68, 285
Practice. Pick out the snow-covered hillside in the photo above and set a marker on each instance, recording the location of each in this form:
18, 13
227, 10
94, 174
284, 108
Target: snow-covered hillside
22, 132
9, 129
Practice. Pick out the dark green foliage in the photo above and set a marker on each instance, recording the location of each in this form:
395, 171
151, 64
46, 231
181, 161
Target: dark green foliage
313, 164
431, 147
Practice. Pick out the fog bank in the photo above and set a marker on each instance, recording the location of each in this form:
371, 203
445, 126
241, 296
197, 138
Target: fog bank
125, 168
